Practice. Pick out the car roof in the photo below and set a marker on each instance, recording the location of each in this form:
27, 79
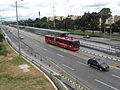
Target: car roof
97, 59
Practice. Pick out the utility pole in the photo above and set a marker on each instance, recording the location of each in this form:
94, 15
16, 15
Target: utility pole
53, 16
39, 14
19, 51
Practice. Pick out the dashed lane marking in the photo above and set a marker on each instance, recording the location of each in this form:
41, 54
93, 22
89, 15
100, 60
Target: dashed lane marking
60, 55
72, 53
115, 76
82, 64
78, 55
106, 84
68, 67
44, 49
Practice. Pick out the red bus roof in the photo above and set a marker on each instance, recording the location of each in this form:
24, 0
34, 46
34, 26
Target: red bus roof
63, 38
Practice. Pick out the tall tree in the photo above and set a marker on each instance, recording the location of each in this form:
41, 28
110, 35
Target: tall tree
94, 21
37, 23
116, 27
44, 23
105, 13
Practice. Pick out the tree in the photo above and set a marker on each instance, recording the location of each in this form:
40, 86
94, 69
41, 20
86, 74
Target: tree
67, 23
44, 23
37, 23
30, 22
116, 27
105, 13
94, 21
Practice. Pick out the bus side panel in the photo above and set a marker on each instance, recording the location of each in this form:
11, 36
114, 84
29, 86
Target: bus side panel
73, 48
62, 45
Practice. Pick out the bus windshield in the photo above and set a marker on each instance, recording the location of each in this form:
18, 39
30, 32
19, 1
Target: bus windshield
76, 44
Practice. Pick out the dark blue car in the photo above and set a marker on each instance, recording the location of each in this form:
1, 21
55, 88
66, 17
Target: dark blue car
98, 63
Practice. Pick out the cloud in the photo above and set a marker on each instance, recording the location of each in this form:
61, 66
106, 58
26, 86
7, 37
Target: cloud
97, 5
19, 6
119, 4
30, 8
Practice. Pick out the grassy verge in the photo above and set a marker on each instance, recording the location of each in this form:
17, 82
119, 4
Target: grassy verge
13, 78
78, 32
3, 50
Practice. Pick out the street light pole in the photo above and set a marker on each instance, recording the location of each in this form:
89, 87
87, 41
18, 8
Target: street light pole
19, 51
39, 14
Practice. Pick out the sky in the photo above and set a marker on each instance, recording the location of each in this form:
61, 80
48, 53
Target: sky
30, 8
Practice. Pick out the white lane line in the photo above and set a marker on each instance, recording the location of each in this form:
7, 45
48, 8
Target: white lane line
115, 76
44, 49
106, 84
37, 45
114, 59
82, 64
68, 67
60, 55
30, 42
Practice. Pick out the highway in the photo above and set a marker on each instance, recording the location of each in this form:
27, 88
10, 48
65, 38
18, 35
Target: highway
102, 44
95, 39
76, 63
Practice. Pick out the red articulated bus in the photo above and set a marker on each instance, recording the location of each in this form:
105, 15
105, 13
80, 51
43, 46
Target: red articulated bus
64, 42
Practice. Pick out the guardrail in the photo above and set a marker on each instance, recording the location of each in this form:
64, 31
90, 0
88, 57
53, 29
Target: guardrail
53, 70
106, 50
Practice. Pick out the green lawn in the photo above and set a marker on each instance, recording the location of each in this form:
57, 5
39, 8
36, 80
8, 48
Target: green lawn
96, 34
13, 78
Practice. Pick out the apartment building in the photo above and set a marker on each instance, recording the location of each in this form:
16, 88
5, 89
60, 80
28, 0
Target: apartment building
112, 19
73, 17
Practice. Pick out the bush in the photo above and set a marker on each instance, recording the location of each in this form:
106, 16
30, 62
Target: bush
1, 37
3, 50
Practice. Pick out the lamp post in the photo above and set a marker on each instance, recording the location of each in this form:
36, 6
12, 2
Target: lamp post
19, 51
39, 14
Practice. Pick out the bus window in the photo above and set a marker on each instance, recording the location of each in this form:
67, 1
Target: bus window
49, 38
76, 44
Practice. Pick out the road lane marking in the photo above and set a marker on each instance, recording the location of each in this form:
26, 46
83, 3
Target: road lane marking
72, 53
82, 64
60, 55
37, 45
68, 67
45, 49
78, 55
115, 76
106, 84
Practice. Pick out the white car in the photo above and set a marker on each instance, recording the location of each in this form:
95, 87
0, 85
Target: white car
21, 37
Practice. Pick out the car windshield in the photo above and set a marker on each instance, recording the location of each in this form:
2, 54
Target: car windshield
101, 62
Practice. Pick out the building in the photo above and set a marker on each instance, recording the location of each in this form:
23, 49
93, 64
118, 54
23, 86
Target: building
73, 17
112, 19
56, 17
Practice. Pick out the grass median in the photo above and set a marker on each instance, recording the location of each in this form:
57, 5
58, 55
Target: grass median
12, 77
95, 34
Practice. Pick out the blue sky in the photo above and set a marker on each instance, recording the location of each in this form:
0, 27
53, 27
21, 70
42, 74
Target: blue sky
30, 8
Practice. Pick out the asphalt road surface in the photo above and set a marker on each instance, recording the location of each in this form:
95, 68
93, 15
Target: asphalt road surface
76, 63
